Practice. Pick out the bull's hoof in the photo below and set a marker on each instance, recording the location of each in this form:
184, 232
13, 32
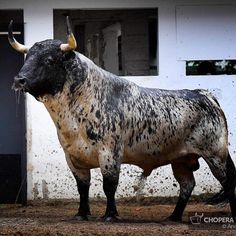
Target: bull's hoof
111, 219
174, 218
80, 218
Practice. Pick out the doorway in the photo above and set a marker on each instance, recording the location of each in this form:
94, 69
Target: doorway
121, 41
13, 186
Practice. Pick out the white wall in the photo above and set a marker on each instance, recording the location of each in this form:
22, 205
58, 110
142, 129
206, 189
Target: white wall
208, 27
48, 174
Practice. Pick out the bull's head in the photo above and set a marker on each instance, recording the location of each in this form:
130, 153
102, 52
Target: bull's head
44, 70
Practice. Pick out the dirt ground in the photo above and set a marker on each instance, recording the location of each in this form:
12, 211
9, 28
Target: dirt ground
145, 218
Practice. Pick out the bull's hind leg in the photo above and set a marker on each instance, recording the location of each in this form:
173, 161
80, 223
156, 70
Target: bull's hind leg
224, 171
185, 178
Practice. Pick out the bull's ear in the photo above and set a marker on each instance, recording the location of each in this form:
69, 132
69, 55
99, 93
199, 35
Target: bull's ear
17, 46
71, 42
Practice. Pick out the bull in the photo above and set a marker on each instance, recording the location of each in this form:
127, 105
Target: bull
103, 120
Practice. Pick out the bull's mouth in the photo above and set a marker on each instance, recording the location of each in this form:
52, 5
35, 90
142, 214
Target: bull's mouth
18, 88
19, 91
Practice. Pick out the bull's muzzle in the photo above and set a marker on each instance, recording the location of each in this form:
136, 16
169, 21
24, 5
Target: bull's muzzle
19, 84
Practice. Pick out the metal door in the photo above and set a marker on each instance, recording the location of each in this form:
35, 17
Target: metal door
12, 115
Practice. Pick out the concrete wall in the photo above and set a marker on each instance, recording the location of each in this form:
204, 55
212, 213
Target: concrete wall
48, 174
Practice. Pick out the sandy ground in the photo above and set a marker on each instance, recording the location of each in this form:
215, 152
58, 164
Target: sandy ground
145, 218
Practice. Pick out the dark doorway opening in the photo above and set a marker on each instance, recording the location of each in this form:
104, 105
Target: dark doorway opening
121, 41
13, 186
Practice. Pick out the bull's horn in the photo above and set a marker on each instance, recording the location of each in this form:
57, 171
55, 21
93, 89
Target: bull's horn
71, 42
17, 46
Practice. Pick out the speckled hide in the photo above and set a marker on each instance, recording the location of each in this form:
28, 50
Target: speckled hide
103, 120
106, 120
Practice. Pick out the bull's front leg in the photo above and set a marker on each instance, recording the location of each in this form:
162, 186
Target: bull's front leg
82, 178
110, 161
110, 183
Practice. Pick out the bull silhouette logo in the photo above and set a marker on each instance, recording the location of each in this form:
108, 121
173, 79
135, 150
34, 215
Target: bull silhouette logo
196, 219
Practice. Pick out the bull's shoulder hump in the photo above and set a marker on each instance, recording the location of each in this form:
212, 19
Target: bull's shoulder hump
108, 76
84, 58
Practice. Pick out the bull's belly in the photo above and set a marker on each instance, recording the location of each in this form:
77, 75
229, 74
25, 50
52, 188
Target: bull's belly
82, 157
87, 156
83, 153
149, 160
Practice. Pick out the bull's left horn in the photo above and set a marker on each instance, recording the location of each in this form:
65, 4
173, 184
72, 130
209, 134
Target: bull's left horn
71, 42
17, 46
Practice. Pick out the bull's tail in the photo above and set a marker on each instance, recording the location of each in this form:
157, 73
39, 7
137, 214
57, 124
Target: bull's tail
218, 198
223, 195
210, 96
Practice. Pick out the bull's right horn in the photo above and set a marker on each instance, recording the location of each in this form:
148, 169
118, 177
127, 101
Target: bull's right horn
17, 46
71, 42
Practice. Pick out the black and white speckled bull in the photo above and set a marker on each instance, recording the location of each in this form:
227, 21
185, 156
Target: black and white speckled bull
103, 121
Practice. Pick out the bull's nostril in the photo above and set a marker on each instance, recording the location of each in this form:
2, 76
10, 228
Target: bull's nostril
21, 81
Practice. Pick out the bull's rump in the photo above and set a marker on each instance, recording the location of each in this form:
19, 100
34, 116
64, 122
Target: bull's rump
168, 125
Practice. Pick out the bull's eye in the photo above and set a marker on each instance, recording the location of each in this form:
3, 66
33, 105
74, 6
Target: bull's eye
49, 61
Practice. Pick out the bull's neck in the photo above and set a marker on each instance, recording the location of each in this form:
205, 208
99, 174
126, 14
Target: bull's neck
67, 102
77, 96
